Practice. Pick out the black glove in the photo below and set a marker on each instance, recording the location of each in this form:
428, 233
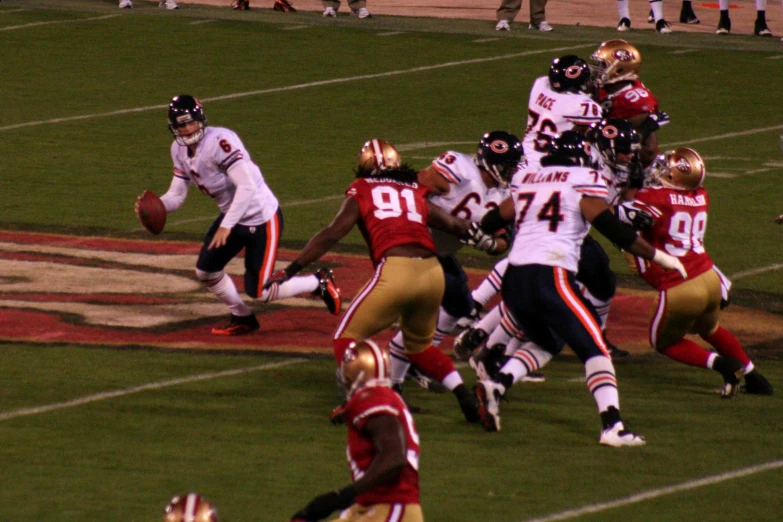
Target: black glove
638, 219
281, 276
479, 239
324, 505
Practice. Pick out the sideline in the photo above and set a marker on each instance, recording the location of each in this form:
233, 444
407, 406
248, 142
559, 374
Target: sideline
655, 493
13, 414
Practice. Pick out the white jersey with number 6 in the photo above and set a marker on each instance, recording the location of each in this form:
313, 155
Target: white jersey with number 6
549, 222
549, 114
468, 197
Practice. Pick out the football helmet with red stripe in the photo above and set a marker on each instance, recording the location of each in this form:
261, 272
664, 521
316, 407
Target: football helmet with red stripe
364, 362
378, 155
190, 508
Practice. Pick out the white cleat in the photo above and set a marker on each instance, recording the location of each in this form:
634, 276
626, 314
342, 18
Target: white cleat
168, 4
503, 25
329, 12
624, 25
362, 13
617, 436
126, 4
488, 394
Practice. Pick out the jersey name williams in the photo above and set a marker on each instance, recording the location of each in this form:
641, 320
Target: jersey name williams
545, 177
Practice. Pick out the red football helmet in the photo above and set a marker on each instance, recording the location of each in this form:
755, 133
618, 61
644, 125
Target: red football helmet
190, 508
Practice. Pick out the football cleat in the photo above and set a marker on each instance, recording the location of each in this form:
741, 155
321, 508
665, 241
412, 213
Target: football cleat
732, 371
724, 25
534, 377
168, 4
624, 25
503, 25
650, 17
238, 325
663, 27
757, 384
424, 380
329, 12
469, 406
284, 6
467, 342
362, 13
760, 28
687, 16
126, 4
328, 291
617, 436
240, 5
488, 395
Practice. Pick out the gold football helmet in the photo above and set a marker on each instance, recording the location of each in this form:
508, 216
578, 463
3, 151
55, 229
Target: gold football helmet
680, 169
377, 156
190, 508
615, 61
363, 362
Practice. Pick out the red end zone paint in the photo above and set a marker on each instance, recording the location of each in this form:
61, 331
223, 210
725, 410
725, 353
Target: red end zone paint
32, 315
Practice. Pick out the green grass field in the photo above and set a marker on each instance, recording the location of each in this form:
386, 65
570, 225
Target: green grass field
83, 132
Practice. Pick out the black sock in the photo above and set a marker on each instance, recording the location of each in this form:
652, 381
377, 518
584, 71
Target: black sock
506, 379
610, 417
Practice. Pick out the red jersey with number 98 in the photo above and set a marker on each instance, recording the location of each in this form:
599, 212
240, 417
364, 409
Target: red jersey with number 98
680, 224
393, 213
631, 100
361, 407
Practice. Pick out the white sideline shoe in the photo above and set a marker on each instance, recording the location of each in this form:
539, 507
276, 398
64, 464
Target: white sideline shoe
542, 26
362, 13
503, 25
617, 436
168, 4
329, 12
126, 4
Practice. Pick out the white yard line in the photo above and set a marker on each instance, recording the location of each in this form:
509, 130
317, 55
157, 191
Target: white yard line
718, 136
333, 81
755, 271
660, 492
36, 24
13, 414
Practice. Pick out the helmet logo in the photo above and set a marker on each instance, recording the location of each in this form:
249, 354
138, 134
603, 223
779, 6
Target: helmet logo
681, 164
573, 72
610, 132
499, 147
623, 55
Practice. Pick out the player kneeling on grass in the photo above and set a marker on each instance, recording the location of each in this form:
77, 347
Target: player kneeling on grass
678, 205
383, 447
216, 161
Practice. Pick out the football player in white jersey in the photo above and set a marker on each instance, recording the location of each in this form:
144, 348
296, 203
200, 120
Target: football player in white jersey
215, 160
558, 102
553, 209
465, 186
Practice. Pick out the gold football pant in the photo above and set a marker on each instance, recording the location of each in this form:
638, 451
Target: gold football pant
404, 289
382, 513
690, 307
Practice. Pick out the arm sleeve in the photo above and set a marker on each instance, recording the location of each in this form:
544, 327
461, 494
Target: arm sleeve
245, 190
175, 196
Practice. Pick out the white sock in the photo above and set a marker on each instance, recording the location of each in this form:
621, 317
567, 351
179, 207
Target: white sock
531, 356
399, 361
490, 321
446, 324
452, 380
622, 9
657, 9
602, 382
490, 286
761, 5
224, 288
723, 5
295, 286
498, 336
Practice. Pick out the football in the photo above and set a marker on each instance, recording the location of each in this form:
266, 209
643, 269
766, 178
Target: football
152, 212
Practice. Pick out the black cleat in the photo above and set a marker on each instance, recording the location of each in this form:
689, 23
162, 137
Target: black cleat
238, 325
732, 371
757, 384
467, 342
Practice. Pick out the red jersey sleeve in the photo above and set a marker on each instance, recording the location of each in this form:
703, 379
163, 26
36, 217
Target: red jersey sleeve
631, 101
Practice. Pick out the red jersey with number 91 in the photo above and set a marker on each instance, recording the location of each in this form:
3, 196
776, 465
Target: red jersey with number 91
631, 100
680, 224
361, 407
393, 213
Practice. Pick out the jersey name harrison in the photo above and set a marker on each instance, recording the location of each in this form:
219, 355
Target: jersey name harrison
549, 177
679, 199
545, 101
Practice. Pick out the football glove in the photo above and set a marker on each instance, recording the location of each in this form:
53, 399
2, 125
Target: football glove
324, 505
638, 219
668, 262
479, 239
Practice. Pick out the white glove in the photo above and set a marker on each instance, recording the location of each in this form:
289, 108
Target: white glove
668, 262
479, 239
